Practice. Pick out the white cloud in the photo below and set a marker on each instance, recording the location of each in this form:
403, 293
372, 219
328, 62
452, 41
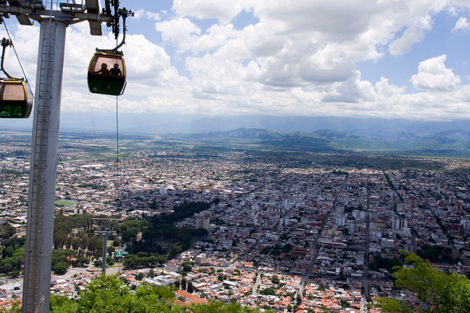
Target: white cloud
384, 89
455, 4
413, 34
215, 36
433, 74
353, 90
146, 14
223, 10
462, 24
217, 76
180, 31
185, 35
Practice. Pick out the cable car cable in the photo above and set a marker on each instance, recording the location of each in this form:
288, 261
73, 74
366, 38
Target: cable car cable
65, 170
66, 70
116, 33
119, 13
117, 147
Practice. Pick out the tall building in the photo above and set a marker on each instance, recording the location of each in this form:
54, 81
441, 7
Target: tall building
399, 223
341, 220
203, 220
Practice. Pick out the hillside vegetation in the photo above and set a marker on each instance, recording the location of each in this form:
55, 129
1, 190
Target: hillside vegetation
437, 291
109, 294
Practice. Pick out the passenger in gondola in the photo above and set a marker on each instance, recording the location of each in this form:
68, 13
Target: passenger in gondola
104, 69
115, 70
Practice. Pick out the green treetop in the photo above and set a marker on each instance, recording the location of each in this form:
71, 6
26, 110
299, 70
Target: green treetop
436, 290
109, 294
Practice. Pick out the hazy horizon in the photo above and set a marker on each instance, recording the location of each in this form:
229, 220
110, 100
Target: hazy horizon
159, 124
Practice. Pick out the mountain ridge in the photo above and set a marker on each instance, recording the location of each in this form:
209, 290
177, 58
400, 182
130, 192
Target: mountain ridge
330, 141
291, 132
163, 123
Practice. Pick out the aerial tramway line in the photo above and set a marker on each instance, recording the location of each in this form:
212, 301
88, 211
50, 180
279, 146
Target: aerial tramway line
45, 136
106, 71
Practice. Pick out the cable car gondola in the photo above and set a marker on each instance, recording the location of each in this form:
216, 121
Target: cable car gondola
16, 98
107, 73
107, 69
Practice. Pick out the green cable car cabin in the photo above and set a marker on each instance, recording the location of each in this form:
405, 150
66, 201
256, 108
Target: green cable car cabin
16, 98
107, 73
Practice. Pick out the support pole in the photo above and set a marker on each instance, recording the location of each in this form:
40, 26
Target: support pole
42, 179
105, 252
105, 229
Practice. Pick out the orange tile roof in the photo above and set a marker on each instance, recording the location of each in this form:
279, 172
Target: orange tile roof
192, 298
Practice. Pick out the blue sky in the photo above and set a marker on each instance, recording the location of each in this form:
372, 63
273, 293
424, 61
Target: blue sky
440, 40
358, 58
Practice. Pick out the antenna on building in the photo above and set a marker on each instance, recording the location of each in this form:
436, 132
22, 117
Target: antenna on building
105, 228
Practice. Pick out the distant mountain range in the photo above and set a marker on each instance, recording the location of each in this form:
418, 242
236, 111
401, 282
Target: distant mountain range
313, 133
454, 142
156, 123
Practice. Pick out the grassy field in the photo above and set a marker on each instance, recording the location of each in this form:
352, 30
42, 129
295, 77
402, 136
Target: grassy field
400, 163
64, 203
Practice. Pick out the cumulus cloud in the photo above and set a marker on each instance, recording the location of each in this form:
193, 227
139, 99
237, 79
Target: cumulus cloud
215, 36
186, 37
433, 74
180, 31
413, 34
299, 42
139, 14
455, 5
223, 10
353, 90
302, 54
217, 76
384, 89
462, 24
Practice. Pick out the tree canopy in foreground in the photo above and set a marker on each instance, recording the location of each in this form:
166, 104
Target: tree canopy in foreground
437, 291
109, 294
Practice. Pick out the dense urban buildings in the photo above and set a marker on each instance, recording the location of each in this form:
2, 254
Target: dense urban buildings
288, 231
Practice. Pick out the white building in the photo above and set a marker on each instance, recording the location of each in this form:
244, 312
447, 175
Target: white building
340, 220
203, 220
